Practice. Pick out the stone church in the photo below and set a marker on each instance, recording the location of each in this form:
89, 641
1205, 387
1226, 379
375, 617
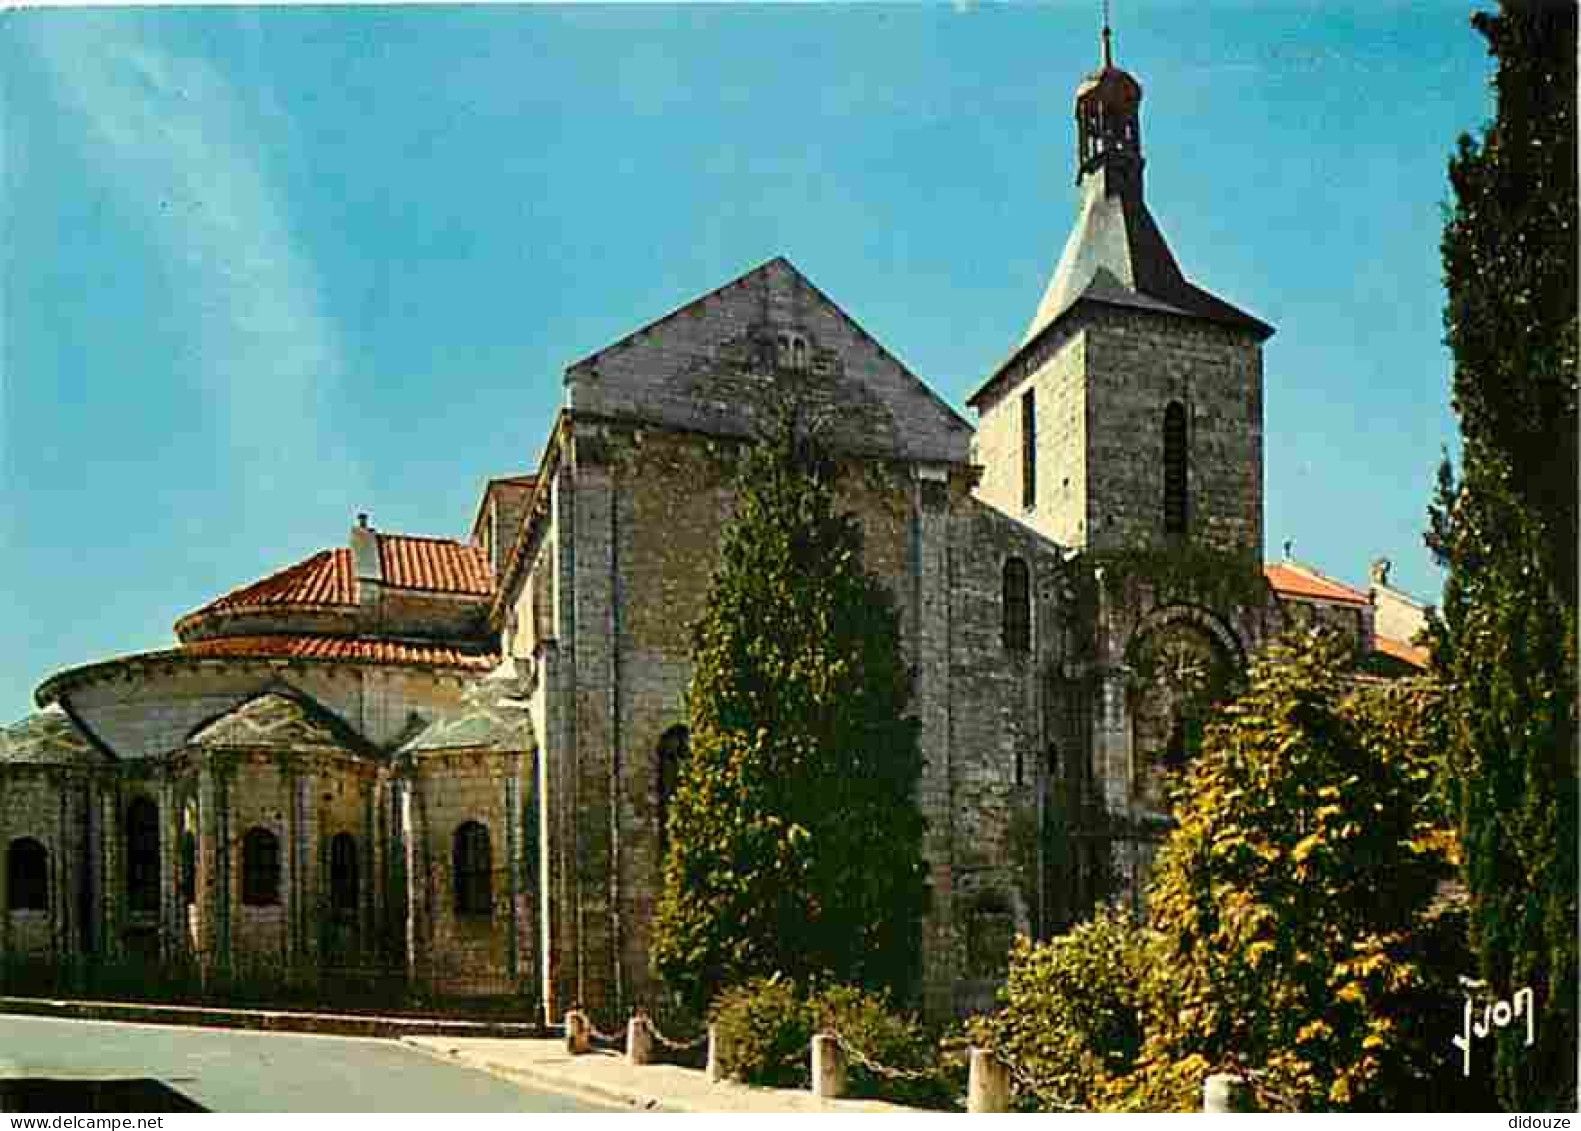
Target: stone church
448, 761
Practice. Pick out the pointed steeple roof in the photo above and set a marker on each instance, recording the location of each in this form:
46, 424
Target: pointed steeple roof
1116, 255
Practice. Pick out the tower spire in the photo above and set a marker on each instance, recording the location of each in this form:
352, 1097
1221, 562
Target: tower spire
1116, 254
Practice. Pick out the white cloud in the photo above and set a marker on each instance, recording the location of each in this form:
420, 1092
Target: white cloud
168, 131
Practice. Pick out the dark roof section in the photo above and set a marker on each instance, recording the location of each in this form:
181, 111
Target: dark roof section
1116, 256
670, 381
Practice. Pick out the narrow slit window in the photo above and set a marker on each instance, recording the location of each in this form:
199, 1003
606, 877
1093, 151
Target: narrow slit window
1017, 599
142, 855
260, 868
1029, 449
1175, 469
474, 871
343, 872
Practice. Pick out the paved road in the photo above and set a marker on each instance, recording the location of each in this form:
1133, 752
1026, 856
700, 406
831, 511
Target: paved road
232, 1070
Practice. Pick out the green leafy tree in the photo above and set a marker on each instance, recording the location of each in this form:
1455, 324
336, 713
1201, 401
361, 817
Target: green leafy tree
1506, 529
794, 835
1072, 1013
1298, 933
1299, 930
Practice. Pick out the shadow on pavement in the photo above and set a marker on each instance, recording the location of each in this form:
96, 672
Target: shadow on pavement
37, 1093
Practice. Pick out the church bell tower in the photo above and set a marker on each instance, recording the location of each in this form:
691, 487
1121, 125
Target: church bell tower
1128, 423
1130, 414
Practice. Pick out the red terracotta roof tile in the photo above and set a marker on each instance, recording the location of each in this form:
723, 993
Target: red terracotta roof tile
1292, 581
328, 578
1401, 650
437, 565
324, 579
338, 648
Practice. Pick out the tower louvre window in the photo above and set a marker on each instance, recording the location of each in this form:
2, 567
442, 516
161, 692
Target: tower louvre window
1175, 469
1029, 449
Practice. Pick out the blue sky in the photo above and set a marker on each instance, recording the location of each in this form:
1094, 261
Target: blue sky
266, 268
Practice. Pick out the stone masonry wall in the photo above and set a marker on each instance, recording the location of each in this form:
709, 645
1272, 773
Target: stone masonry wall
1354, 622
260, 796
674, 498
46, 804
650, 507
997, 748
472, 954
1136, 365
1101, 385
1396, 615
1056, 376
667, 547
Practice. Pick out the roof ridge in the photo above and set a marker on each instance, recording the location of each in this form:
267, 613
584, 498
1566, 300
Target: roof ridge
427, 538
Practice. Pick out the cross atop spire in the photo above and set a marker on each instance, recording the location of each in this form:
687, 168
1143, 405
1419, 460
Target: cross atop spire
1108, 51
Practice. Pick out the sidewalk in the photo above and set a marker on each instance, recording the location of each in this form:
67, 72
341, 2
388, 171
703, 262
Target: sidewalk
268, 1020
605, 1077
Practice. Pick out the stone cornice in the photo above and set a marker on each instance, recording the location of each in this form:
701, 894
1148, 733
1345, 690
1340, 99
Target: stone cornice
177, 659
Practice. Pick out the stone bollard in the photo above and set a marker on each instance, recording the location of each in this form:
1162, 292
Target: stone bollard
828, 1067
577, 1038
639, 1041
716, 1063
1223, 1093
987, 1084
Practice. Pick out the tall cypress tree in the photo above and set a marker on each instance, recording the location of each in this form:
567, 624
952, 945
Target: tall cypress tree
1507, 531
794, 835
